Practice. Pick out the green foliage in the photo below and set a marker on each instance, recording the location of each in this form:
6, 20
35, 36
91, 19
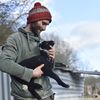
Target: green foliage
91, 80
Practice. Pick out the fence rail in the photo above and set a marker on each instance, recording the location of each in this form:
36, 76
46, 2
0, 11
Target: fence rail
75, 92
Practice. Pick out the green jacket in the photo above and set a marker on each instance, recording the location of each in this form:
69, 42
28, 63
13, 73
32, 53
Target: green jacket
19, 46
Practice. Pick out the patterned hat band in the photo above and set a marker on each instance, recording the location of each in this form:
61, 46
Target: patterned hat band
39, 10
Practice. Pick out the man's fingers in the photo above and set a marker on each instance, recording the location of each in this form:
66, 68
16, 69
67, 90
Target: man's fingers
40, 66
37, 72
51, 46
41, 72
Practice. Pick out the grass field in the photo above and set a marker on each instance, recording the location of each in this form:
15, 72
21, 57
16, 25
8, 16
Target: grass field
91, 98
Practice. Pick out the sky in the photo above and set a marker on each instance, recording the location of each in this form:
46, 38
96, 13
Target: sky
77, 22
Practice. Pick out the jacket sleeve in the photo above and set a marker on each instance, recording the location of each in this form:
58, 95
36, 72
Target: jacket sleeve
8, 63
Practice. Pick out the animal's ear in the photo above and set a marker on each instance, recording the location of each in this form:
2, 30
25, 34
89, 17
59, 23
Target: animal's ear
42, 44
46, 44
51, 43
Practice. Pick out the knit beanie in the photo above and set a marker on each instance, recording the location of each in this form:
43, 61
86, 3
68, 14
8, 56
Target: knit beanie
38, 12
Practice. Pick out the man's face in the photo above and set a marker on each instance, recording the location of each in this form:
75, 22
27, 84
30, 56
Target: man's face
39, 26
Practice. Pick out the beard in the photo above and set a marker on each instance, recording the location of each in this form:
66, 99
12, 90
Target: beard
34, 30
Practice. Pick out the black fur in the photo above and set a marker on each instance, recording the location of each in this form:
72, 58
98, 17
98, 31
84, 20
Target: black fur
35, 61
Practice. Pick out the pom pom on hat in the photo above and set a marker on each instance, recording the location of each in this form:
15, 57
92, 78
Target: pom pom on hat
38, 12
38, 4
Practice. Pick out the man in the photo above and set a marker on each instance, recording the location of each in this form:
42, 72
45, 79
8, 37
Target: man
22, 45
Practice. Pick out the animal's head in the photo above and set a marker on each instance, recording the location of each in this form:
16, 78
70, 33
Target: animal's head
46, 45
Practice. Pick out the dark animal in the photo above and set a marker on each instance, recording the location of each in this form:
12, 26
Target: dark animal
35, 61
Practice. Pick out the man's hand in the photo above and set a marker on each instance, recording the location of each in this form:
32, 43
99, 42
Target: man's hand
37, 72
51, 52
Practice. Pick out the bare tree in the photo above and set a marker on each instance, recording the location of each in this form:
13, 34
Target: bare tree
64, 53
9, 19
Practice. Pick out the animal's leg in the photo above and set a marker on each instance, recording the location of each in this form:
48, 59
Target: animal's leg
57, 78
35, 94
